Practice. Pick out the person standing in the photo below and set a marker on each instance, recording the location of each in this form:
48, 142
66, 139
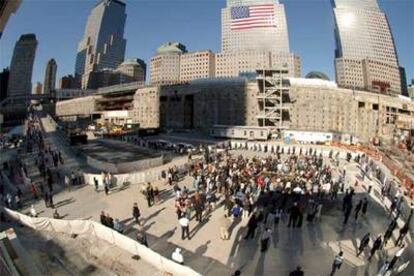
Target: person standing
33, 211
297, 272
118, 226
337, 263
34, 191
224, 227
73, 180
394, 260
56, 214
185, 228
103, 218
267, 234
363, 244
136, 213
95, 180
149, 194
357, 209
46, 198
51, 205
347, 213
142, 237
110, 221
375, 246
294, 215
251, 226
67, 182
364, 206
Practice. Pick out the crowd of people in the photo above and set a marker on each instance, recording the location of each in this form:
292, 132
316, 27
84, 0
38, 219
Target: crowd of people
282, 189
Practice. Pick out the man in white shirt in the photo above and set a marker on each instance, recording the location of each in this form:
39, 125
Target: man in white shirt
185, 228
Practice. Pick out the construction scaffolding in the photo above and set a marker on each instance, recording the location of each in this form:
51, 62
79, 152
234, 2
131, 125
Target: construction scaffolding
273, 98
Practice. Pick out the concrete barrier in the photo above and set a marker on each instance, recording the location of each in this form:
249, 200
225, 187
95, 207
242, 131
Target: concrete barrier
87, 227
124, 167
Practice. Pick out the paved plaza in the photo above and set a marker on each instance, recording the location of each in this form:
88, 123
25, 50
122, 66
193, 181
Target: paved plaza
313, 246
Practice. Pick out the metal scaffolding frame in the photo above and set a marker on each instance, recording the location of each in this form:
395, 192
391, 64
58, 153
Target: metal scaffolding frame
273, 98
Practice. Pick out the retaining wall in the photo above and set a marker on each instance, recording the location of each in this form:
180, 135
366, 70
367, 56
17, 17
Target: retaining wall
87, 227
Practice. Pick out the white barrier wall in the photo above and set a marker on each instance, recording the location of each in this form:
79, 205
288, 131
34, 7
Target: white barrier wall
87, 227
126, 166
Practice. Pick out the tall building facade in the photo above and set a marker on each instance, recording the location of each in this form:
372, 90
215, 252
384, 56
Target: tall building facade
197, 65
365, 54
49, 84
132, 70
69, 82
7, 7
21, 67
37, 88
254, 25
103, 44
231, 64
172, 64
165, 64
4, 80
254, 35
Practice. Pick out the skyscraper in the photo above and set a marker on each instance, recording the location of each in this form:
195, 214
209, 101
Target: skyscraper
7, 7
37, 88
50, 77
254, 25
103, 44
165, 64
21, 67
365, 55
4, 80
254, 35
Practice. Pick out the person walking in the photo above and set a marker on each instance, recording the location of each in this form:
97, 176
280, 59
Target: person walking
136, 213
363, 244
337, 263
394, 260
358, 209
403, 232
185, 228
251, 226
375, 246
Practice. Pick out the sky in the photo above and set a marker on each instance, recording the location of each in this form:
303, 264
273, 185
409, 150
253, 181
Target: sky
59, 26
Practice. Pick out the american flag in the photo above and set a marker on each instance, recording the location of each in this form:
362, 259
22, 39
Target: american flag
255, 16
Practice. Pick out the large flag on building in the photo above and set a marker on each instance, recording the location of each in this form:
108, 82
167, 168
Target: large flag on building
250, 17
